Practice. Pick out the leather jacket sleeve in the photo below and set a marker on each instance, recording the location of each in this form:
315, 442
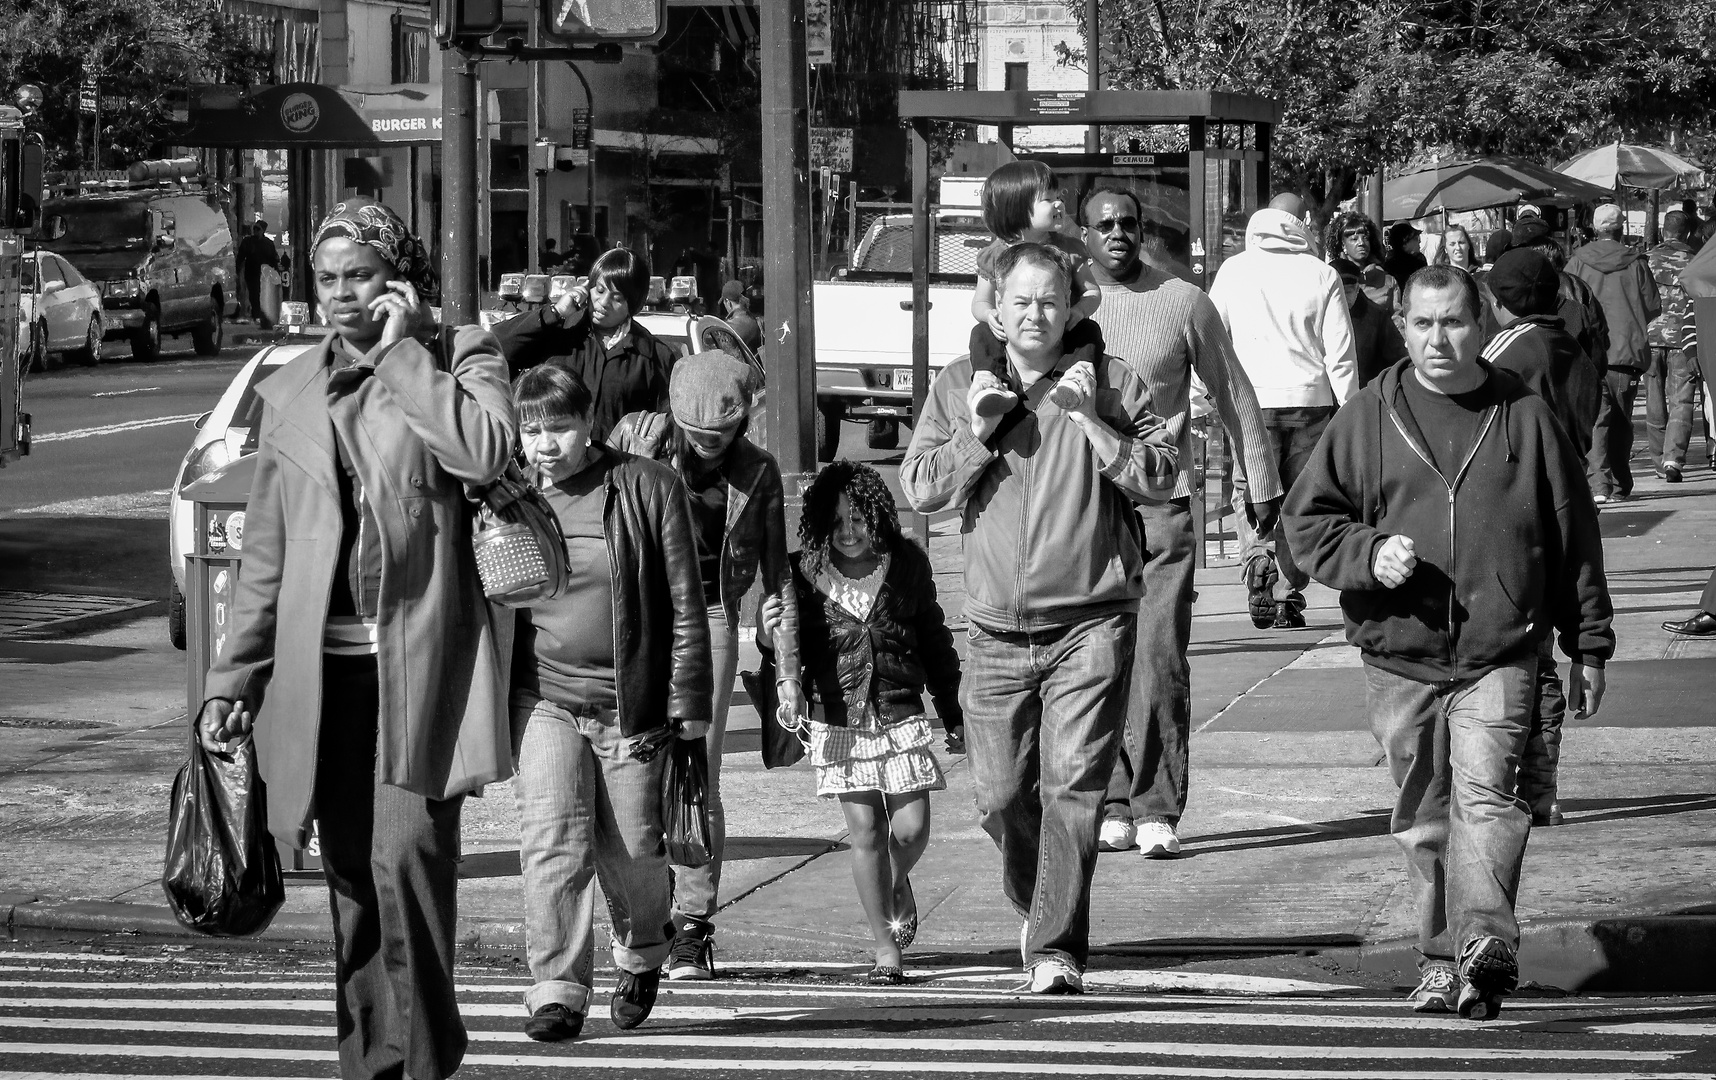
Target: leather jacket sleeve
691, 682
777, 573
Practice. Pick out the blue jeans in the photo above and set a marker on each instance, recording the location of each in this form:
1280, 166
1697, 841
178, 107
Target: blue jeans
1671, 390
696, 889
588, 809
1043, 713
1454, 750
1540, 765
1149, 781
1293, 434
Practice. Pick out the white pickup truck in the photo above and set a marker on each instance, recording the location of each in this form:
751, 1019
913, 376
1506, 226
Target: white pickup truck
864, 323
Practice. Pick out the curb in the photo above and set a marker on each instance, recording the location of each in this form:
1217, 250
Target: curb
84, 624
1654, 954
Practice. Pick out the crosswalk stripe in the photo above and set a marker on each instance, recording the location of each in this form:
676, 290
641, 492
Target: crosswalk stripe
1026, 1011
823, 1044
868, 1065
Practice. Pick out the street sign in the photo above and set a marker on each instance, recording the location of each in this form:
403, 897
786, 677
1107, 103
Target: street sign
605, 20
831, 148
87, 96
580, 129
818, 32
114, 102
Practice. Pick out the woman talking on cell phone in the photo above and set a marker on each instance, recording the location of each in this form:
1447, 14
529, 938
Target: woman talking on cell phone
362, 656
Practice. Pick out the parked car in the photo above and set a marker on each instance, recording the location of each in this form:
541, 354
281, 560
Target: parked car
60, 311
162, 254
229, 432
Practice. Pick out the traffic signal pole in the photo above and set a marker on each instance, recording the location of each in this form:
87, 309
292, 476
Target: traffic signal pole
458, 187
789, 336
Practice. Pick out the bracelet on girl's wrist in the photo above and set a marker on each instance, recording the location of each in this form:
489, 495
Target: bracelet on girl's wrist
789, 679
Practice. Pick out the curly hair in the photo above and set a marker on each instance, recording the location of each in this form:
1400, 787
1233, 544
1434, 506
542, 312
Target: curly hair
870, 500
1351, 219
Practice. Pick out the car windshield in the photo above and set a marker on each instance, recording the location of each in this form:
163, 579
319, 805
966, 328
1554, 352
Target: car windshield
247, 416
113, 227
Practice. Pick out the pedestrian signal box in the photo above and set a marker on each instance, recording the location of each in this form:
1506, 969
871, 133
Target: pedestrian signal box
590, 21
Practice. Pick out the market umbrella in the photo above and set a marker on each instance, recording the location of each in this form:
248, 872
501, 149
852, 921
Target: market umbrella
1634, 166
1476, 183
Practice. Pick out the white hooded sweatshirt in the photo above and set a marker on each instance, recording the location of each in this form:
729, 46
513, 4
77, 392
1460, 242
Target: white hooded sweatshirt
1287, 315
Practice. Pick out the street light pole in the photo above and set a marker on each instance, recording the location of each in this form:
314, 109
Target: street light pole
1093, 67
789, 337
458, 187
590, 152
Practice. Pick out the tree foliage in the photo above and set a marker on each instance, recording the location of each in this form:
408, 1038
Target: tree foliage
1372, 83
139, 51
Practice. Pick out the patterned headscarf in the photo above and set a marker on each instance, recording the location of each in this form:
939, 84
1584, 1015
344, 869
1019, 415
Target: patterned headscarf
379, 227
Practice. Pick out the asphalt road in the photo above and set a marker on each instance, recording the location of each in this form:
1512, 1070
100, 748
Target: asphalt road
170, 1011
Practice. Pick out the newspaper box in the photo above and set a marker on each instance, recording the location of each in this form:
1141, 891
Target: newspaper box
211, 584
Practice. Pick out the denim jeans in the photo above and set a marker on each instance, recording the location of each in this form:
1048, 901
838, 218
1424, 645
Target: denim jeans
1539, 766
1454, 750
1293, 434
1149, 780
1043, 711
1608, 463
391, 862
1671, 390
587, 809
696, 889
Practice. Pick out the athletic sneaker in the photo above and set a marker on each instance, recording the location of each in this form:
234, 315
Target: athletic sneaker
1157, 840
1056, 976
1118, 834
1438, 988
1289, 616
1260, 578
692, 955
1488, 972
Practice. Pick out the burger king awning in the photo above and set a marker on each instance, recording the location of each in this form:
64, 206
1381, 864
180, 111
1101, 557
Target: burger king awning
309, 115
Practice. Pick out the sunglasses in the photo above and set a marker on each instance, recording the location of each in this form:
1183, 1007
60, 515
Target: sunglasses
1125, 224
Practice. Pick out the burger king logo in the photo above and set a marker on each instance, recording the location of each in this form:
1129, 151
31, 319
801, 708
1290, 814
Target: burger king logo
300, 113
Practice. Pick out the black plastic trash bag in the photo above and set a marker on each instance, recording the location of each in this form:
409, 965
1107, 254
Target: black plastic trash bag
685, 804
222, 873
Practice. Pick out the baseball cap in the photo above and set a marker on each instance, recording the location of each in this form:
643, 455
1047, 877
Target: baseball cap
1527, 211
1607, 216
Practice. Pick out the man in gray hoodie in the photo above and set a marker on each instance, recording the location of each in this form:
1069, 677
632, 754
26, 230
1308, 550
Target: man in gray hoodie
1622, 280
1054, 571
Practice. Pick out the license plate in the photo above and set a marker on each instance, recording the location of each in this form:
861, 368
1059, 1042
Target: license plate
902, 378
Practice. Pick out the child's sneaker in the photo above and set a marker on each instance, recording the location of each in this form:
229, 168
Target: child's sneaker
1075, 386
990, 396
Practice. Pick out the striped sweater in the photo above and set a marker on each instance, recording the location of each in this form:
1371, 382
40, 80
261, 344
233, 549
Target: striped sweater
1164, 329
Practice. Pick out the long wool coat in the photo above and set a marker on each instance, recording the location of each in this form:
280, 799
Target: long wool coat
426, 428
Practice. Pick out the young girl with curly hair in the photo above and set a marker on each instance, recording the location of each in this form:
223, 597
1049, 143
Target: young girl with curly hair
871, 638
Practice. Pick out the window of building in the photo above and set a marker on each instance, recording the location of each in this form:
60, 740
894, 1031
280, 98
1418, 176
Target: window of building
968, 81
1018, 76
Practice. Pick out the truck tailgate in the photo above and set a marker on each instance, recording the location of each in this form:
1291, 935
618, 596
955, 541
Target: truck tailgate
864, 324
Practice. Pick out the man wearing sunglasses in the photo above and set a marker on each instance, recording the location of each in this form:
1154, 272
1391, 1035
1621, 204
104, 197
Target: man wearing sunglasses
1165, 330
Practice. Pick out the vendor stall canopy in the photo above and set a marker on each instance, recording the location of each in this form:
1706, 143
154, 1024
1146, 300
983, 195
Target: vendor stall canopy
1480, 182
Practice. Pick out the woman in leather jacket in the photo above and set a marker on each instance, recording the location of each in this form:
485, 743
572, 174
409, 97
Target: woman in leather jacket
871, 638
739, 521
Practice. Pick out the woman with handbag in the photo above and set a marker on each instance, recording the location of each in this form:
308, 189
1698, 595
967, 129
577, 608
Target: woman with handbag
605, 675
739, 519
872, 638
361, 651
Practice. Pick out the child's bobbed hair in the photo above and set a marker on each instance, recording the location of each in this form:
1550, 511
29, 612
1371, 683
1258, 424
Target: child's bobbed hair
870, 499
1010, 193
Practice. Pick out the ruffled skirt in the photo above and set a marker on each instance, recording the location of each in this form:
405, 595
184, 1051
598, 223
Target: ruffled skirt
894, 759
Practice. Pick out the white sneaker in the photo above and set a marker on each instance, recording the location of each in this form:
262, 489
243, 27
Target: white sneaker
1157, 840
1118, 834
1056, 976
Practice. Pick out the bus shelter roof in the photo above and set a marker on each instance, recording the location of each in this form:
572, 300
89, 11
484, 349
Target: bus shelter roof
1037, 107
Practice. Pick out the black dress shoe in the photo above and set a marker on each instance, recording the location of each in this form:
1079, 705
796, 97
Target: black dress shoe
1702, 624
633, 998
554, 1022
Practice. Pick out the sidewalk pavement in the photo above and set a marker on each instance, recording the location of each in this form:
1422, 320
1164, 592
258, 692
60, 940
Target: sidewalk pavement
1287, 854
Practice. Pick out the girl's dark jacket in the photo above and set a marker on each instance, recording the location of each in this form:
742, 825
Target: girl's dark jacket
630, 376
1507, 551
890, 657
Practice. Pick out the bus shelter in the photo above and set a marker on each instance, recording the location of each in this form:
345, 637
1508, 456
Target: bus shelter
1198, 161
